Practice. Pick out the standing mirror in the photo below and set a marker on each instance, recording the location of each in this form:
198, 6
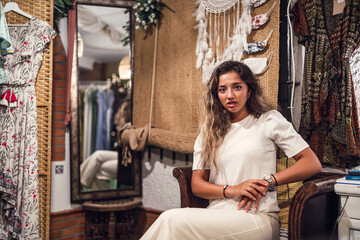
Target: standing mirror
101, 100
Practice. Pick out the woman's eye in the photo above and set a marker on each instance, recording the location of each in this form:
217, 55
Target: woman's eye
222, 90
237, 87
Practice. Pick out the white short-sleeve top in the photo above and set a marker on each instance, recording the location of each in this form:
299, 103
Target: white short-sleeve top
249, 152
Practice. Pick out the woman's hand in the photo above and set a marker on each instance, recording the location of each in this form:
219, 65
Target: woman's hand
247, 202
251, 189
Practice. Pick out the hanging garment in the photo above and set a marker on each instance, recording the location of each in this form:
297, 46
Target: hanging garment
258, 65
19, 180
329, 120
251, 48
6, 46
105, 100
261, 19
88, 121
355, 72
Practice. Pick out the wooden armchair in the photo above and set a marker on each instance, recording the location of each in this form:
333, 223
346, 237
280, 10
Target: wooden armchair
313, 209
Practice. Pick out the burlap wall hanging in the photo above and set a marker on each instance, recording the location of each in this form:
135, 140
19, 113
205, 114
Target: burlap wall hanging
167, 85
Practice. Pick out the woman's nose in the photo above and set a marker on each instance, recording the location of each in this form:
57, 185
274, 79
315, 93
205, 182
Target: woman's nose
230, 94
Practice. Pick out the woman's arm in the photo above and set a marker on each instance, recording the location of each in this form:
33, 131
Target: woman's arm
307, 164
201, 187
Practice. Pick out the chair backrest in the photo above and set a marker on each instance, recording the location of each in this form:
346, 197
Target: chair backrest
183, 175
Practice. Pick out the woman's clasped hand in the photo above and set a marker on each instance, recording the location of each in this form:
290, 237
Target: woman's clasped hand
250, 191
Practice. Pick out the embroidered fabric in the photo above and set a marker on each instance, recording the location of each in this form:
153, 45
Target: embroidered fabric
218, 6
355, 73
260, 20
258, 65
256, 47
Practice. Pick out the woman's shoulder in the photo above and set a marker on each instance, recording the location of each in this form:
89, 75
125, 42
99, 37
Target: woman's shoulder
271, 114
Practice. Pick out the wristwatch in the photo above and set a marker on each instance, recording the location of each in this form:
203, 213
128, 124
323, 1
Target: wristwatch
268, 178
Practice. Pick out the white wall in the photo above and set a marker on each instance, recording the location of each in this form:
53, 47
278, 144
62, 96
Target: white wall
60, 182
159, 188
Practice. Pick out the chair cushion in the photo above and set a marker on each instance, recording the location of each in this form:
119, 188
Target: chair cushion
285, 192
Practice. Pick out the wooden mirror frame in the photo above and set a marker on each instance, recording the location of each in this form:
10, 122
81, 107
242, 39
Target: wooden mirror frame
76, 194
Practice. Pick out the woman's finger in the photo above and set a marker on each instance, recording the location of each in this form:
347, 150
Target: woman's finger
249, 194
256, 205
259, 189
259, 182
242, 202
248, 206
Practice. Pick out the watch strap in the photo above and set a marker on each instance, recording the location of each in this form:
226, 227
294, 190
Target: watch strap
268, 178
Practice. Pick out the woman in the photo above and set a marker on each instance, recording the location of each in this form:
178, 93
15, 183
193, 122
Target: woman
235, 164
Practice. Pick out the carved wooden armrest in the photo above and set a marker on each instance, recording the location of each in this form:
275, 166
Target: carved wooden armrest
314, 209
188, 199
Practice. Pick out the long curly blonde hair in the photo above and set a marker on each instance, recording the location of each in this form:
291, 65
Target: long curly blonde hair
217, 120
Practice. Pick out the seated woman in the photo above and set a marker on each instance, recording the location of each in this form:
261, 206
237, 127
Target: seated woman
101, 166
234, 164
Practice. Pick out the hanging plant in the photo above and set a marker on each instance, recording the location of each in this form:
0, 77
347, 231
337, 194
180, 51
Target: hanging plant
126, 27
148, 13
61, 9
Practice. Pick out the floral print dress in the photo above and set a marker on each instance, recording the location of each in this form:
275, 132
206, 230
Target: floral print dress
19, 180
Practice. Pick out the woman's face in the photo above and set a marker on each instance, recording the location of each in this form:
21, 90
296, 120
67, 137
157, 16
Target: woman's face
233, 93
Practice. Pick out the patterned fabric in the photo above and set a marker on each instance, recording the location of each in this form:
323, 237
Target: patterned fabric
329, 121
19, 183
5, 43
261, 19
256, 47
355, 72
257, 3
283, 233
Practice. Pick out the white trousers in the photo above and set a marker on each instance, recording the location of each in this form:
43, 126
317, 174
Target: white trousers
211, 224
102, 164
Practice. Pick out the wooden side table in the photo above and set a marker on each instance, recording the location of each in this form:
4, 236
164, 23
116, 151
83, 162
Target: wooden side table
112, 219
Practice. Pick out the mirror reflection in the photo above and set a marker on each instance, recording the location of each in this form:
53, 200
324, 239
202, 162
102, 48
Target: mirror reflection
104, 93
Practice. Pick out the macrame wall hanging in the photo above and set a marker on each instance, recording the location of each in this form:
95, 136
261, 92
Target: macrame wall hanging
222, 31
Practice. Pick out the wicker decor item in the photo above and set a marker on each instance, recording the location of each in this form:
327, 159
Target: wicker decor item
43, 10
177, 98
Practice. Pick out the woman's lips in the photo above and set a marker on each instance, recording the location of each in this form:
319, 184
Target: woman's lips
231, 104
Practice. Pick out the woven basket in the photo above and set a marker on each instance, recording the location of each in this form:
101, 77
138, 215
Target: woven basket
43, 10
